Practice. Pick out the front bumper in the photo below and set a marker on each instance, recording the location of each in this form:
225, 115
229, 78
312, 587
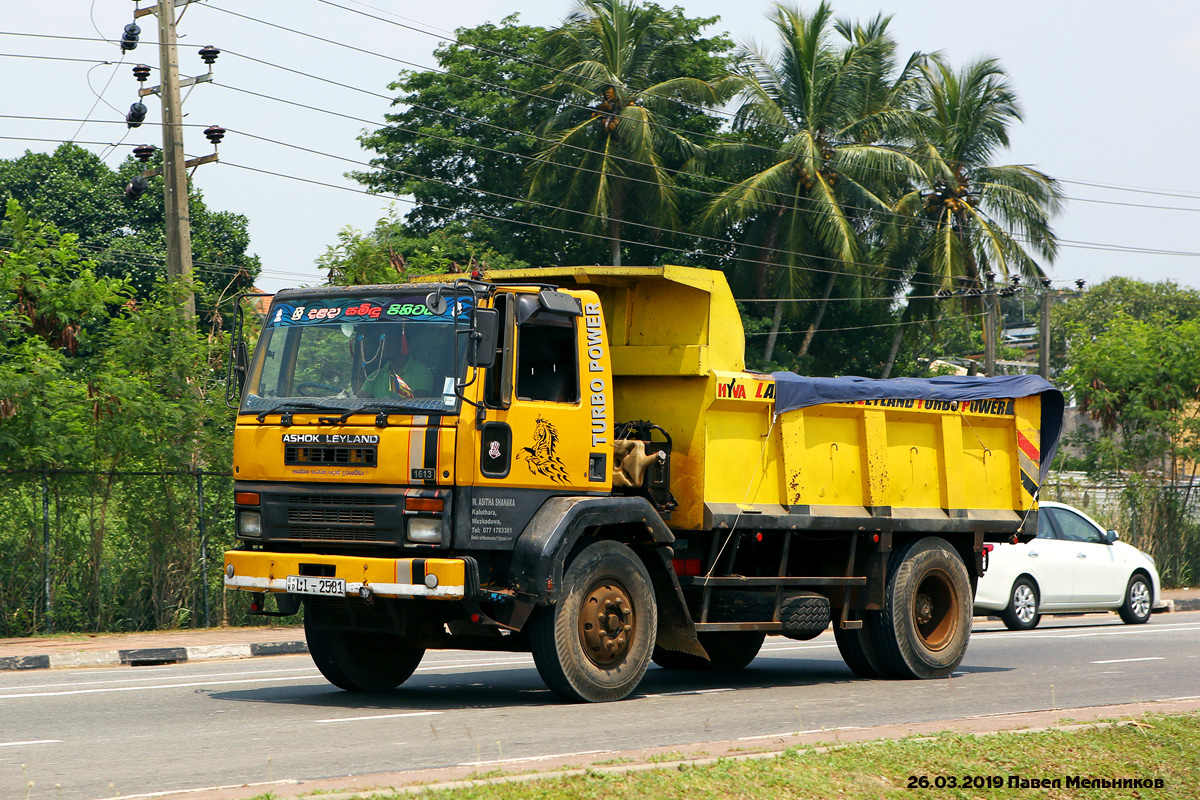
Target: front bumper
451, 578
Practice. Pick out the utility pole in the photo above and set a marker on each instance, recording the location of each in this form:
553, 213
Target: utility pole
989, 325
175, 182
177, 220
1044, 331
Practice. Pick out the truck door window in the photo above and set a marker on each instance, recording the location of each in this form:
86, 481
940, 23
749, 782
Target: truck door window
547, 369
497, 382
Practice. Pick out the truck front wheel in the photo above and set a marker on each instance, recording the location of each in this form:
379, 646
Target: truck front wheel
925, 624
595, 643
361, 662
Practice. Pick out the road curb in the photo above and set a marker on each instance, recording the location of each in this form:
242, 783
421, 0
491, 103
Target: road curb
150, 656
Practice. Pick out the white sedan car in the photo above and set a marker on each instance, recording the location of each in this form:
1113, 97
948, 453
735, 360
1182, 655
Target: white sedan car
1073, 566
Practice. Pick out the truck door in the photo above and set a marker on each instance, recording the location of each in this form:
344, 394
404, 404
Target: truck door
544, 439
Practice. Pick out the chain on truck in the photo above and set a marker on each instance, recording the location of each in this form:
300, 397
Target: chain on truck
575, 463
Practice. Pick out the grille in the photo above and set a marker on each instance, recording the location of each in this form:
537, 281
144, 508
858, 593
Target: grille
336, 500
296, 454
332, 516
334, 534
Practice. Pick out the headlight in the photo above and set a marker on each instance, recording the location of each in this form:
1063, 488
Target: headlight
425, 530
250, 524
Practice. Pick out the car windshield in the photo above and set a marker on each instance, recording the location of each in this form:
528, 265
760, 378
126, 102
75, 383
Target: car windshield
344, 353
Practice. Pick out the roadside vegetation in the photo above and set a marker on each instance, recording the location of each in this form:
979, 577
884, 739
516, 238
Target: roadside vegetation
855, 195
1152, 748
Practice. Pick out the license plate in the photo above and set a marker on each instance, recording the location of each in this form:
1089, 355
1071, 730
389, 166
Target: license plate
306, 584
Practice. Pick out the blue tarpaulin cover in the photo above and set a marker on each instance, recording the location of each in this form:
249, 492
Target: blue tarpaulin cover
794, 391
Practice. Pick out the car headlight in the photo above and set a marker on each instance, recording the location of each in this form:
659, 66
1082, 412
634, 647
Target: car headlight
250, 524
426, 530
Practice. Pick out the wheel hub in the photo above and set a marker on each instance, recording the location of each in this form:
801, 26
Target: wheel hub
935, 610
606, 624
923, 609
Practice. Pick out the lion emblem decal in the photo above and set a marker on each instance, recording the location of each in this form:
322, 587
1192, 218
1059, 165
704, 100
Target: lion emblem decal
541, 457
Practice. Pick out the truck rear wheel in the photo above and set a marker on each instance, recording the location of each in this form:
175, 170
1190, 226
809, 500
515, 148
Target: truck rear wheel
361, 662
858, 649
925, 624
595, 643
728, 651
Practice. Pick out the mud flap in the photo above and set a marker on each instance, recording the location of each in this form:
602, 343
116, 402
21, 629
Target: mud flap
676, 630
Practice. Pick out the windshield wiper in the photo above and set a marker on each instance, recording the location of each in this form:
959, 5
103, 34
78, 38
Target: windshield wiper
290, 406
381, 412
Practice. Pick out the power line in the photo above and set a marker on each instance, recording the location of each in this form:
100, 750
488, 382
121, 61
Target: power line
484, 123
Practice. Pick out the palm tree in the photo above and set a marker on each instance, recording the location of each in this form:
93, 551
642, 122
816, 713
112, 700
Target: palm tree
830, 116
611, 146
966, 217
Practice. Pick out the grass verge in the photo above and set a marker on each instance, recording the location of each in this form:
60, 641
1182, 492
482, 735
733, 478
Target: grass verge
1161, 750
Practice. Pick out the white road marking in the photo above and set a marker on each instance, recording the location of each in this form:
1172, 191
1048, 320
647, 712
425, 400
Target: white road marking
798, 733
448, 665
1126, 660
274, 676
769, 650
1110, 630
382, 716
172, 792
31, 741
693, 691
160, 686
534, 758
157, 677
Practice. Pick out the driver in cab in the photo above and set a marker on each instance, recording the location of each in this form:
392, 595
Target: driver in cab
394, 372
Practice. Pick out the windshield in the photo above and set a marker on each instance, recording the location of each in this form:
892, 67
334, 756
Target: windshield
343, 353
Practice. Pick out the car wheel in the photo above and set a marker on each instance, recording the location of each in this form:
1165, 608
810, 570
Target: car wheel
1138, 597
1021, 613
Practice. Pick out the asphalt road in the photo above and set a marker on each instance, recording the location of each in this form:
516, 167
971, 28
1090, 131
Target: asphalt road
89, 734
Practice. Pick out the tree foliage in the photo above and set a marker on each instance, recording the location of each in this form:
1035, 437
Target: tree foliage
614, 145
113, 403
77, 192
392, 253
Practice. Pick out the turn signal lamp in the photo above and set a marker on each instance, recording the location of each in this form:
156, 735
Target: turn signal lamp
246, 498
431, 504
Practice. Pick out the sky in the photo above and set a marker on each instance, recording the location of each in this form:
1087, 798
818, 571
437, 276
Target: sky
1108, 91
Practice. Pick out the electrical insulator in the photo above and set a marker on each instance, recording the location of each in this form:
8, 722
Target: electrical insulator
143, 152
129, 39
1016, 280
209, 54
991, 276
215, 133
137, 187
1079, 284
1045, 282
141, 72
136, 115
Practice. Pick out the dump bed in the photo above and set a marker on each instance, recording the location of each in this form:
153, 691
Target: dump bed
942, 454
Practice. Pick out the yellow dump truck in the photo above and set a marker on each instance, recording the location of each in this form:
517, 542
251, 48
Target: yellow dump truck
575, 463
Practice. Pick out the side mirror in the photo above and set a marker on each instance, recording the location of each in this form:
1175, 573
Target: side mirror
1110, 537
238, 365
435, 303
482, 349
